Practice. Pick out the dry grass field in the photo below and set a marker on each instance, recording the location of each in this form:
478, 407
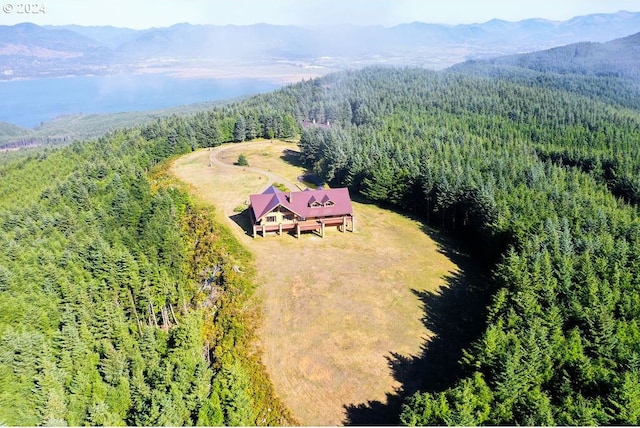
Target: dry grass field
336, 309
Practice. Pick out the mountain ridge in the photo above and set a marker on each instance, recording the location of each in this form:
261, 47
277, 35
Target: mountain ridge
25, 49
302, 46
615, 58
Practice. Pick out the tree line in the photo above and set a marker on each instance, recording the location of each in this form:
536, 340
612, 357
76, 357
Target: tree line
542, 182
541, 179
122, 301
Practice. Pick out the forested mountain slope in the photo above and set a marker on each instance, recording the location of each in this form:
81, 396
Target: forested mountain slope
606, 71
541, 180
617, 58
483, 158
11, 132
121, 302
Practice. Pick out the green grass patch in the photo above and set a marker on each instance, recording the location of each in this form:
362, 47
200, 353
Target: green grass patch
281, 187
240, 208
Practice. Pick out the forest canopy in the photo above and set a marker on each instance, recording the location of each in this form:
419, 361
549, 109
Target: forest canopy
543, 184
119, 301
119, 304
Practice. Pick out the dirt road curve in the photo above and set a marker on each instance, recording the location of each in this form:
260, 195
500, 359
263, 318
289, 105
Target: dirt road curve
224, 157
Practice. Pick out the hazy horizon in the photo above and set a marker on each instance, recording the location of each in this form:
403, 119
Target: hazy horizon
145, 14
277, 57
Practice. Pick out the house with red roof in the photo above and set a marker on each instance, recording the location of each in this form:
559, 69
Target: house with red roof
309, 210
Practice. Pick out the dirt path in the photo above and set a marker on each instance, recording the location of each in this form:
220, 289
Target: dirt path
335, 310
225, 157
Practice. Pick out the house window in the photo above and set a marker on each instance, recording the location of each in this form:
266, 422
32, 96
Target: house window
329, 204
271, 219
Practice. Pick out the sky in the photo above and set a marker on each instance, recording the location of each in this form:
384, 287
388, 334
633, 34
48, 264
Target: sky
140, 14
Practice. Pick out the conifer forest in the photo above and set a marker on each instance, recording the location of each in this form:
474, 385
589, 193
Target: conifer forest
122, 302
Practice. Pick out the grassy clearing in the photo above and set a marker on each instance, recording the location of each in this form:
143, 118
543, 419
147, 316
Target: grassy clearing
336, 309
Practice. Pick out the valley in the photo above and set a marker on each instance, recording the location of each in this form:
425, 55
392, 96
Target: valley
158, 69
32, 51
493, 277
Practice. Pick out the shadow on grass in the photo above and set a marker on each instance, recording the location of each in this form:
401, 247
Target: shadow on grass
292, 157
309, 179
456, 316
243, 219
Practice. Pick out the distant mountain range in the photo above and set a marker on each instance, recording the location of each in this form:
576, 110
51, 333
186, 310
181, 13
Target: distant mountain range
31, 51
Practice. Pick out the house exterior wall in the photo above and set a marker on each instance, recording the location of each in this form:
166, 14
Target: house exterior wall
277, 217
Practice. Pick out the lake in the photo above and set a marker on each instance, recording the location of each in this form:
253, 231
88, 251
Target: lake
30, 102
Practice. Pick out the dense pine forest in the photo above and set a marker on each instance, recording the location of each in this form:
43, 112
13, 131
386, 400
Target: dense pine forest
122, 302
543, 184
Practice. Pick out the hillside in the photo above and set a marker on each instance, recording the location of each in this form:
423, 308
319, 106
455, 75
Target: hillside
606, 71
69, 128
541, 185
27, 50
617, 58
124, 302
119, 305
10, 133
544, 185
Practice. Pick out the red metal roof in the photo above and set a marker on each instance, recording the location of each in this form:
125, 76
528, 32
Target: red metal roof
333, 202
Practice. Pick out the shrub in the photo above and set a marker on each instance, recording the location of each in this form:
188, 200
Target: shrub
242, 160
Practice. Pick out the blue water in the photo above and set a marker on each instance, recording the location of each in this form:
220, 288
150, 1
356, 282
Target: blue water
30, 102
